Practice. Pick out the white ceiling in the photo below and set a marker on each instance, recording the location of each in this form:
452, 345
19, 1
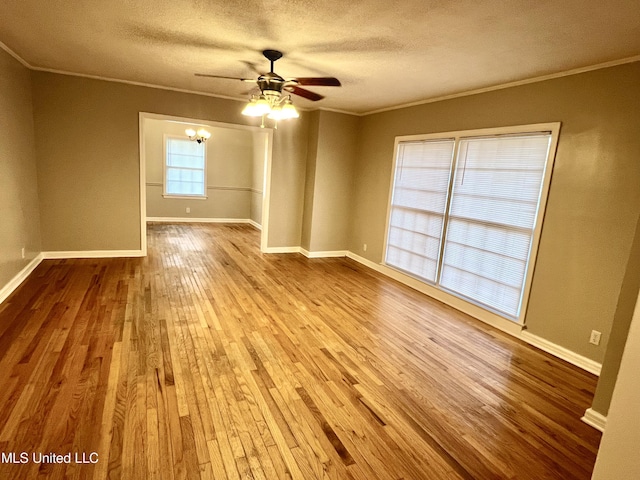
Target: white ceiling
385, 53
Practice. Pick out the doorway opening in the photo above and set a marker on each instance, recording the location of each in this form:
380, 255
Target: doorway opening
235, 174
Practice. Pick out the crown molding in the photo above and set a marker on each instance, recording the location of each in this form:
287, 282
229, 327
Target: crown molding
24, 63
114, 80
344, 112
517, 83
466, 93
137, 84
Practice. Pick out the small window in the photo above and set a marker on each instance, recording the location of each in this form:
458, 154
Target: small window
185, 168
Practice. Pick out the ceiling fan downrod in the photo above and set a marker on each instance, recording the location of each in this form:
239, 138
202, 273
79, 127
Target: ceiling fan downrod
272, 56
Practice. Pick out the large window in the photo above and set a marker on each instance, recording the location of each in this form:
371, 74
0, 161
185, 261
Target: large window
465, 211
185, 168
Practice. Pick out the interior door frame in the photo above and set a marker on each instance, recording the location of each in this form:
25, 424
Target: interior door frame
266, 188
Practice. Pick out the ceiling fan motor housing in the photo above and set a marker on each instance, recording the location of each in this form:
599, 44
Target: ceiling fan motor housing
271, 84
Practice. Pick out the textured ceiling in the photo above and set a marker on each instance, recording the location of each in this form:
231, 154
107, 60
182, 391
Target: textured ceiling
385, 54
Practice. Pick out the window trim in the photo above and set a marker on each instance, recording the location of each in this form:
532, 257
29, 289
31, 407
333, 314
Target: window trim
165, 138
554, 129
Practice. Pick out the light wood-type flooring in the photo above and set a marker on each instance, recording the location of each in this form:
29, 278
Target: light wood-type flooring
210, 360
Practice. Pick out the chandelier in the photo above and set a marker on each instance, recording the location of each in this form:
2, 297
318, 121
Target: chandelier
200, 136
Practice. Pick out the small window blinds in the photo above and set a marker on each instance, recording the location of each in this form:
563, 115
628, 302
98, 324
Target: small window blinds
185, 168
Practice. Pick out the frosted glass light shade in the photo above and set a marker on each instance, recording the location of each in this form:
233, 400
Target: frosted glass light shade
203, 133
262, 106
276, 113
289, 111
250, 109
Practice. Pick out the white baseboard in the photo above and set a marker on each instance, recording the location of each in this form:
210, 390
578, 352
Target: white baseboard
595, 419
366, 262
22, 275
282, 250
512, 328
573, 358
198, 220
324, 254
503, 324
250, 221
500, 323
94, 254
254, 224
306, 253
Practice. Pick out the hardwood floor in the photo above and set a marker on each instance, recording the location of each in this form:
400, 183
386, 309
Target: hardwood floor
208, 359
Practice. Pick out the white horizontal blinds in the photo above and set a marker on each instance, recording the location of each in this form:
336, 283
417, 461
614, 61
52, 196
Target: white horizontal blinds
494, 205
185, 167
423, 171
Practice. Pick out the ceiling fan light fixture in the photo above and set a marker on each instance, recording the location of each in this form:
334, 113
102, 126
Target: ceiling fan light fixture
289, 110
262, 106
250, 109
271, 102
276, 113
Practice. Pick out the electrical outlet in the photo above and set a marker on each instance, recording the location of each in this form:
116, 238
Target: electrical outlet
188, 210
595, 337
23, 252
364, 247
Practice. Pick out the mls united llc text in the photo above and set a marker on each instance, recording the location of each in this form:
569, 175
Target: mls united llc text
39, 457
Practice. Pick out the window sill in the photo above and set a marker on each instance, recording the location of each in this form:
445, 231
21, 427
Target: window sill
187, 197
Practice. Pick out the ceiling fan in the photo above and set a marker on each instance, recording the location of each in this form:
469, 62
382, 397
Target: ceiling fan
271, 100
273, 82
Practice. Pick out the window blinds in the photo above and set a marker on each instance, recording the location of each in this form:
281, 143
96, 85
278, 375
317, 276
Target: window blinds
482, 252
185, 167
418, 206
492, 216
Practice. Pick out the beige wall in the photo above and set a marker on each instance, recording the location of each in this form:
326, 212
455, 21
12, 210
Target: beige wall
594, 201
19, 216
87, 152
310, 179
257, 175
330, 170
288, 167
230, 159
588, 272
618, 457
619, 329
88, 166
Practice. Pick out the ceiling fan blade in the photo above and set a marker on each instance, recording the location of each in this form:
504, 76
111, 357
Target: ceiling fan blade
223, 77
253, 67
318, 81
303, 92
